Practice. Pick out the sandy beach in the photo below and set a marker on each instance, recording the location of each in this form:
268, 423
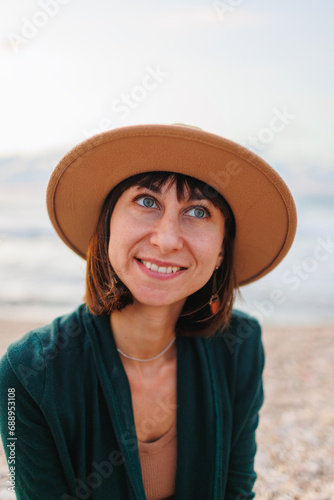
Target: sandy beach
295, 458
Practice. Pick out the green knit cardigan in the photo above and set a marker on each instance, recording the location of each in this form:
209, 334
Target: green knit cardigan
75, 438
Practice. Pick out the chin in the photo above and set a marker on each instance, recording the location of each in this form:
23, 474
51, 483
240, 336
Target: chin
154, 300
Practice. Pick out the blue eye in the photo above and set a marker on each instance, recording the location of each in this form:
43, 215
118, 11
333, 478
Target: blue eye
146, 202
198, 212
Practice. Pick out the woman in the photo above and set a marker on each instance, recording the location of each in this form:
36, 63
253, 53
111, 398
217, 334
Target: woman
152, 388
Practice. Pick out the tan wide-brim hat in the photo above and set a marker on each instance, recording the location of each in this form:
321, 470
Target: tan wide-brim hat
263, 207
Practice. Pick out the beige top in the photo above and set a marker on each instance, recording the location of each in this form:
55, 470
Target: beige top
158, 465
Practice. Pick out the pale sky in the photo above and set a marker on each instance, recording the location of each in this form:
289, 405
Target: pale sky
260, 73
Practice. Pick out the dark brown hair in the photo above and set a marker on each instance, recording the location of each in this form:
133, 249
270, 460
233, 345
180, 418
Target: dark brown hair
106, 293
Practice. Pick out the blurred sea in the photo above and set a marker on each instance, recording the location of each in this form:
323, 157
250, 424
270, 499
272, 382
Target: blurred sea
40, 278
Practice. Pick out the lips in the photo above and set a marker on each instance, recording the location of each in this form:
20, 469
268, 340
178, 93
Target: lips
162, 269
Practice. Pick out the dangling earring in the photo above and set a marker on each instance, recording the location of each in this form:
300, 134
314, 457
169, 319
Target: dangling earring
214, 300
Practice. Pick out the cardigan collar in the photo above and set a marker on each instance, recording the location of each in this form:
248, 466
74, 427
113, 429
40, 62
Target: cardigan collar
199, 413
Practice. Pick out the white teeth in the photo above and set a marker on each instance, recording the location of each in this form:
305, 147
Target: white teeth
162, 269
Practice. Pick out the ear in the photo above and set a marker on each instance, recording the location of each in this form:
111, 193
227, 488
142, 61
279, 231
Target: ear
220, 258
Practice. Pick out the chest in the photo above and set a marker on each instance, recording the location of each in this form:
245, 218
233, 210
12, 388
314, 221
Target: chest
154, 402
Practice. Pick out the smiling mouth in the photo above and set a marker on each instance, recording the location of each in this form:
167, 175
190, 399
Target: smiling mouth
160, 269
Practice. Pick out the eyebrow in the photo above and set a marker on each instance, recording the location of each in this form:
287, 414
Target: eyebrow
195, 195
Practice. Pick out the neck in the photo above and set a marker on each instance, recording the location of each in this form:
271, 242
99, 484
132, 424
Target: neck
144, 332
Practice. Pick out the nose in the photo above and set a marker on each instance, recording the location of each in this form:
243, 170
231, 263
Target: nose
166, 234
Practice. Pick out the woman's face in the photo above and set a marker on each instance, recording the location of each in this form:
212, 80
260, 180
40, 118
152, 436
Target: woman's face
161, 248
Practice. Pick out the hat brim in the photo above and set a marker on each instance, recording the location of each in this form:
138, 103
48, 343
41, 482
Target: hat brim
263, 207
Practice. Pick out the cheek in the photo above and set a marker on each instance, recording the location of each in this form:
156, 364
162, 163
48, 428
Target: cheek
124, 236
208, 247
116, 242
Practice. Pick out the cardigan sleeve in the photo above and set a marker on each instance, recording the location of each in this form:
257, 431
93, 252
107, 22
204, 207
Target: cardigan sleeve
241, 474
248, 399
32, 457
